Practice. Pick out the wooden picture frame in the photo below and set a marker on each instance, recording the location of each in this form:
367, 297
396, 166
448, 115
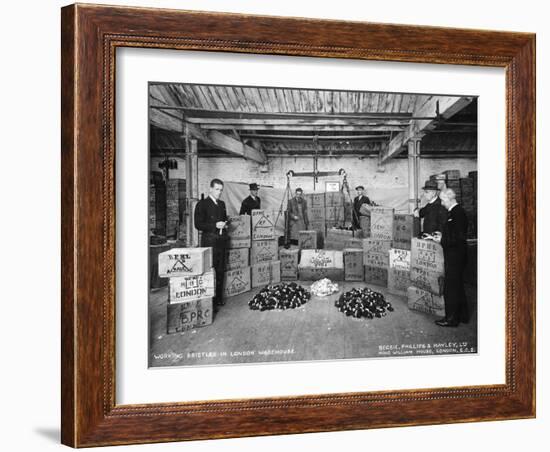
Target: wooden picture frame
90, 36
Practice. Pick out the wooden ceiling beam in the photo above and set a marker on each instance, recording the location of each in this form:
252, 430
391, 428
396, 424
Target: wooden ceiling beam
425, 106
274, 137
226, 143
166, 120
236, 122
200, 113
304, 128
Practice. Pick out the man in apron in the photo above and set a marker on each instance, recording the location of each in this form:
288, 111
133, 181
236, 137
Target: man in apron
297, 215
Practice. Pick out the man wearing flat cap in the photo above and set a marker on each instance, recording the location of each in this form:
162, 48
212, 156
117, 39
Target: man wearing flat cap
252, 201
358, 201
433, 213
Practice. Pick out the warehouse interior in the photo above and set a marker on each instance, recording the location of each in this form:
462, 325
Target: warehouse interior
390, 143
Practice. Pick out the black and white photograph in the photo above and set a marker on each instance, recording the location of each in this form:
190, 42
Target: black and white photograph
291, 224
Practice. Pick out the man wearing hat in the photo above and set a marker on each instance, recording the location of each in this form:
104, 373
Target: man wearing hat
358, 201
441, 180
455, 253
252, 201
433, 213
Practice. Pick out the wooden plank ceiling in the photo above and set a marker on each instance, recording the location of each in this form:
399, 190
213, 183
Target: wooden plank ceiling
259, 122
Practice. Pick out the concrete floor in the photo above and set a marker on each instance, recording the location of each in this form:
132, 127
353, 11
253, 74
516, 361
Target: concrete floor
315, 331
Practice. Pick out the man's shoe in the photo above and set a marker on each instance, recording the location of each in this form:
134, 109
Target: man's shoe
444, 322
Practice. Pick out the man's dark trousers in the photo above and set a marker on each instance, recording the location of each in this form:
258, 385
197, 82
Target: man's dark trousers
219, 245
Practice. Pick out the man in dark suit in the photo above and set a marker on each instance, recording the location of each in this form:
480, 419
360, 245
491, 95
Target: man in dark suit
251, 202
211, 220
453, 241
433, 213
358, 201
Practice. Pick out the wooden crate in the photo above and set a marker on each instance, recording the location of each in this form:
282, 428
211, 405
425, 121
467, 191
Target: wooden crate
236, 282
364, 224
175, 205
183, 317
420, 300
315, 199
263, 224
399, 280
239, 231
427, 255
322, 259
399, 258
183, 289
308, 240
237, 258
355, 242
376, 252
365, 209
376, 275
289, 264
316, 214
467, 186
428, 280
381, 226
265, 273
405, 228
155, 281
334, 214
336, 238
264, 251
157, 207
353, 264
316, 273
185, 261
320, 227
452, 174
335, 198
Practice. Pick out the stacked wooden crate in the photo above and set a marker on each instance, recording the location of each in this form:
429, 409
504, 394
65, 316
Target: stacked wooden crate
376, 260
405, 228
427, 277
364, 221
175, 208
289, 259
316, 212
192, 284
381, 223
155, 281
334, 209
336, 238
157, 204
318, 264
264, 253
399, 271
468, 186
353, 264
237, 259
308, 240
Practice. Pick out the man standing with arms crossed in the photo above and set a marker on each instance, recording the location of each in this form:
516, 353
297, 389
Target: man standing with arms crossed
211, 220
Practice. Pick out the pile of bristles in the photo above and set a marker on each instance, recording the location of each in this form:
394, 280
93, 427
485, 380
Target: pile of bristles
280, 296
363, 303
